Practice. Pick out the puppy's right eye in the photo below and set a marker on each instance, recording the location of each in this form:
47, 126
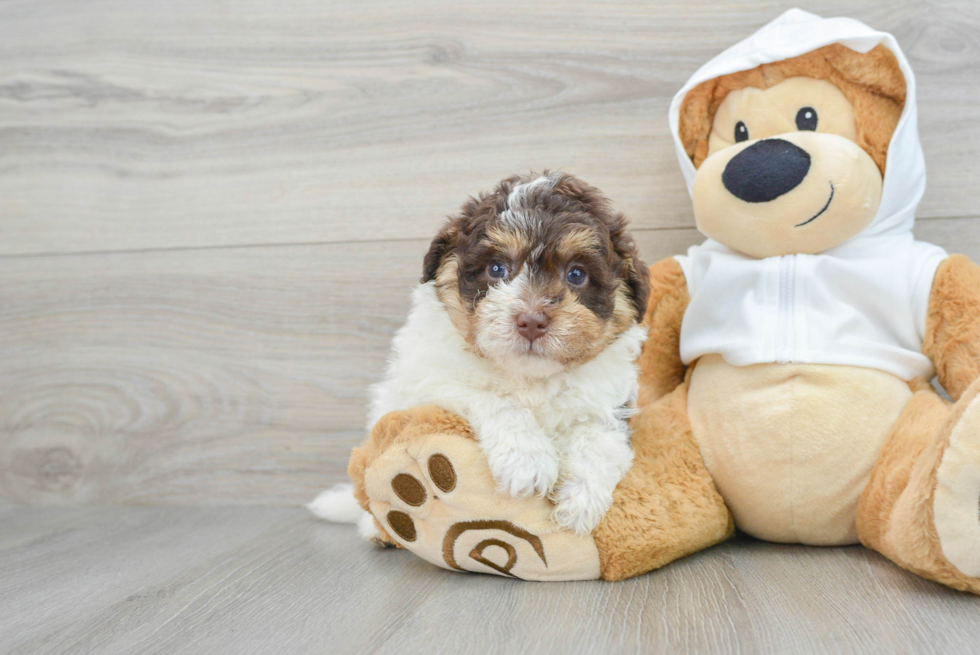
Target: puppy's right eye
577, 277
741, 132
497, 270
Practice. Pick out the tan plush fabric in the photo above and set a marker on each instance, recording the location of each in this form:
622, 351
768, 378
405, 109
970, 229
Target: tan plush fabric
872, 82
897, 512
771, 112
957, 496
952, 339
791, 446
661, 368
399, 427
428, 486
666, 507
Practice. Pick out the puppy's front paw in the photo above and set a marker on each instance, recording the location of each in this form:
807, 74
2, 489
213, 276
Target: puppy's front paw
580, 506
523, 472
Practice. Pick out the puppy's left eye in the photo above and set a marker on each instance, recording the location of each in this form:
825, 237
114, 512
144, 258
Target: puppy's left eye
806, 119
497, 270
576, 277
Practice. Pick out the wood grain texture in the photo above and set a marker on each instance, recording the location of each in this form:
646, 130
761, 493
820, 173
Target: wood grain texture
194, 123
250, 580
216, 376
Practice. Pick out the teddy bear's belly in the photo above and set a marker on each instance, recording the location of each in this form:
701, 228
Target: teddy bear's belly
791, 446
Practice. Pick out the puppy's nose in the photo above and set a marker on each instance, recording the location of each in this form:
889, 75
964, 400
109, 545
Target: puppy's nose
532, 325
766, 170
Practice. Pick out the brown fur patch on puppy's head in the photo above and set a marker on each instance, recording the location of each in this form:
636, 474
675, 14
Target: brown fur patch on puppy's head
548, 247
872, 82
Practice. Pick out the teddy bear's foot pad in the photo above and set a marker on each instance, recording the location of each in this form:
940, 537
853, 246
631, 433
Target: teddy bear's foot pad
436, 498
957, 498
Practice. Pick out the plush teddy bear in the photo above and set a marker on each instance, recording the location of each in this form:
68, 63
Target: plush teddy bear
785, 381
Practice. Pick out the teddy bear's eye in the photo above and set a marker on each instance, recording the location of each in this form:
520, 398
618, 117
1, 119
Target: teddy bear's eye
806, 119
741, 132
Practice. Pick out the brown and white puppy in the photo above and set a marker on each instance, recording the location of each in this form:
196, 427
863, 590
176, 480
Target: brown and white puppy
527, 324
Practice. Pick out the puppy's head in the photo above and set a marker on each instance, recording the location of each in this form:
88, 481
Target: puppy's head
538, 275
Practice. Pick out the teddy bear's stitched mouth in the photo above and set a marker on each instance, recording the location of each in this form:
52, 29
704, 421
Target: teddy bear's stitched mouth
815, 216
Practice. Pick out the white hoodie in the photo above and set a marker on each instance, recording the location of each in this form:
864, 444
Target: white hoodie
862, 303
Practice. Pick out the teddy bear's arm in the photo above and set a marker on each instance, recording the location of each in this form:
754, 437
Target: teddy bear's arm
952, 338
661, 368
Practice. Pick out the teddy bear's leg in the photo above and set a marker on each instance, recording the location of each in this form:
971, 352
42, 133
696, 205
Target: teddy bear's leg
666, 507
921, 508
423, 477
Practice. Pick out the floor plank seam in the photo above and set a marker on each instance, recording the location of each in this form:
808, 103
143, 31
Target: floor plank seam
348, 242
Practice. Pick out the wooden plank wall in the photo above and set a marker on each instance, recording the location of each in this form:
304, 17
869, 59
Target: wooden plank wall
211, 214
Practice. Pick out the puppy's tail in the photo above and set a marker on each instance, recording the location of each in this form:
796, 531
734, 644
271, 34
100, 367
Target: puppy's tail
338, 505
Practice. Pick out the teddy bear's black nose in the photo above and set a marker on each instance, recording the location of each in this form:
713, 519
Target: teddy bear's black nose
766, 170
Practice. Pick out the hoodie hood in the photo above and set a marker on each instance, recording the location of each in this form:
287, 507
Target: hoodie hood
798, 32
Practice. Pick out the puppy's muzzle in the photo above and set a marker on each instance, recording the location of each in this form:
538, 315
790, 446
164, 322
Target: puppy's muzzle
766, 170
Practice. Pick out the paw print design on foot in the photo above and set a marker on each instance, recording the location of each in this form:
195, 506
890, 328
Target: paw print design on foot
434, 495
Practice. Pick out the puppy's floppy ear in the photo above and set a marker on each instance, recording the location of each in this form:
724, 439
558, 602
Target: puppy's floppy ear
638, 280
441, 246
459, 231
633, 271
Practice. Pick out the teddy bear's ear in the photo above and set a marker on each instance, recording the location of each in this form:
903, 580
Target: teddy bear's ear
875, 86
877, 69
697, 115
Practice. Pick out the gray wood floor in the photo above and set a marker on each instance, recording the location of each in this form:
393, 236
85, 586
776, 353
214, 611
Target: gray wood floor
274, 580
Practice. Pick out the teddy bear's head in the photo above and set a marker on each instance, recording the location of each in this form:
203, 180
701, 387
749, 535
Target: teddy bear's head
790, 155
